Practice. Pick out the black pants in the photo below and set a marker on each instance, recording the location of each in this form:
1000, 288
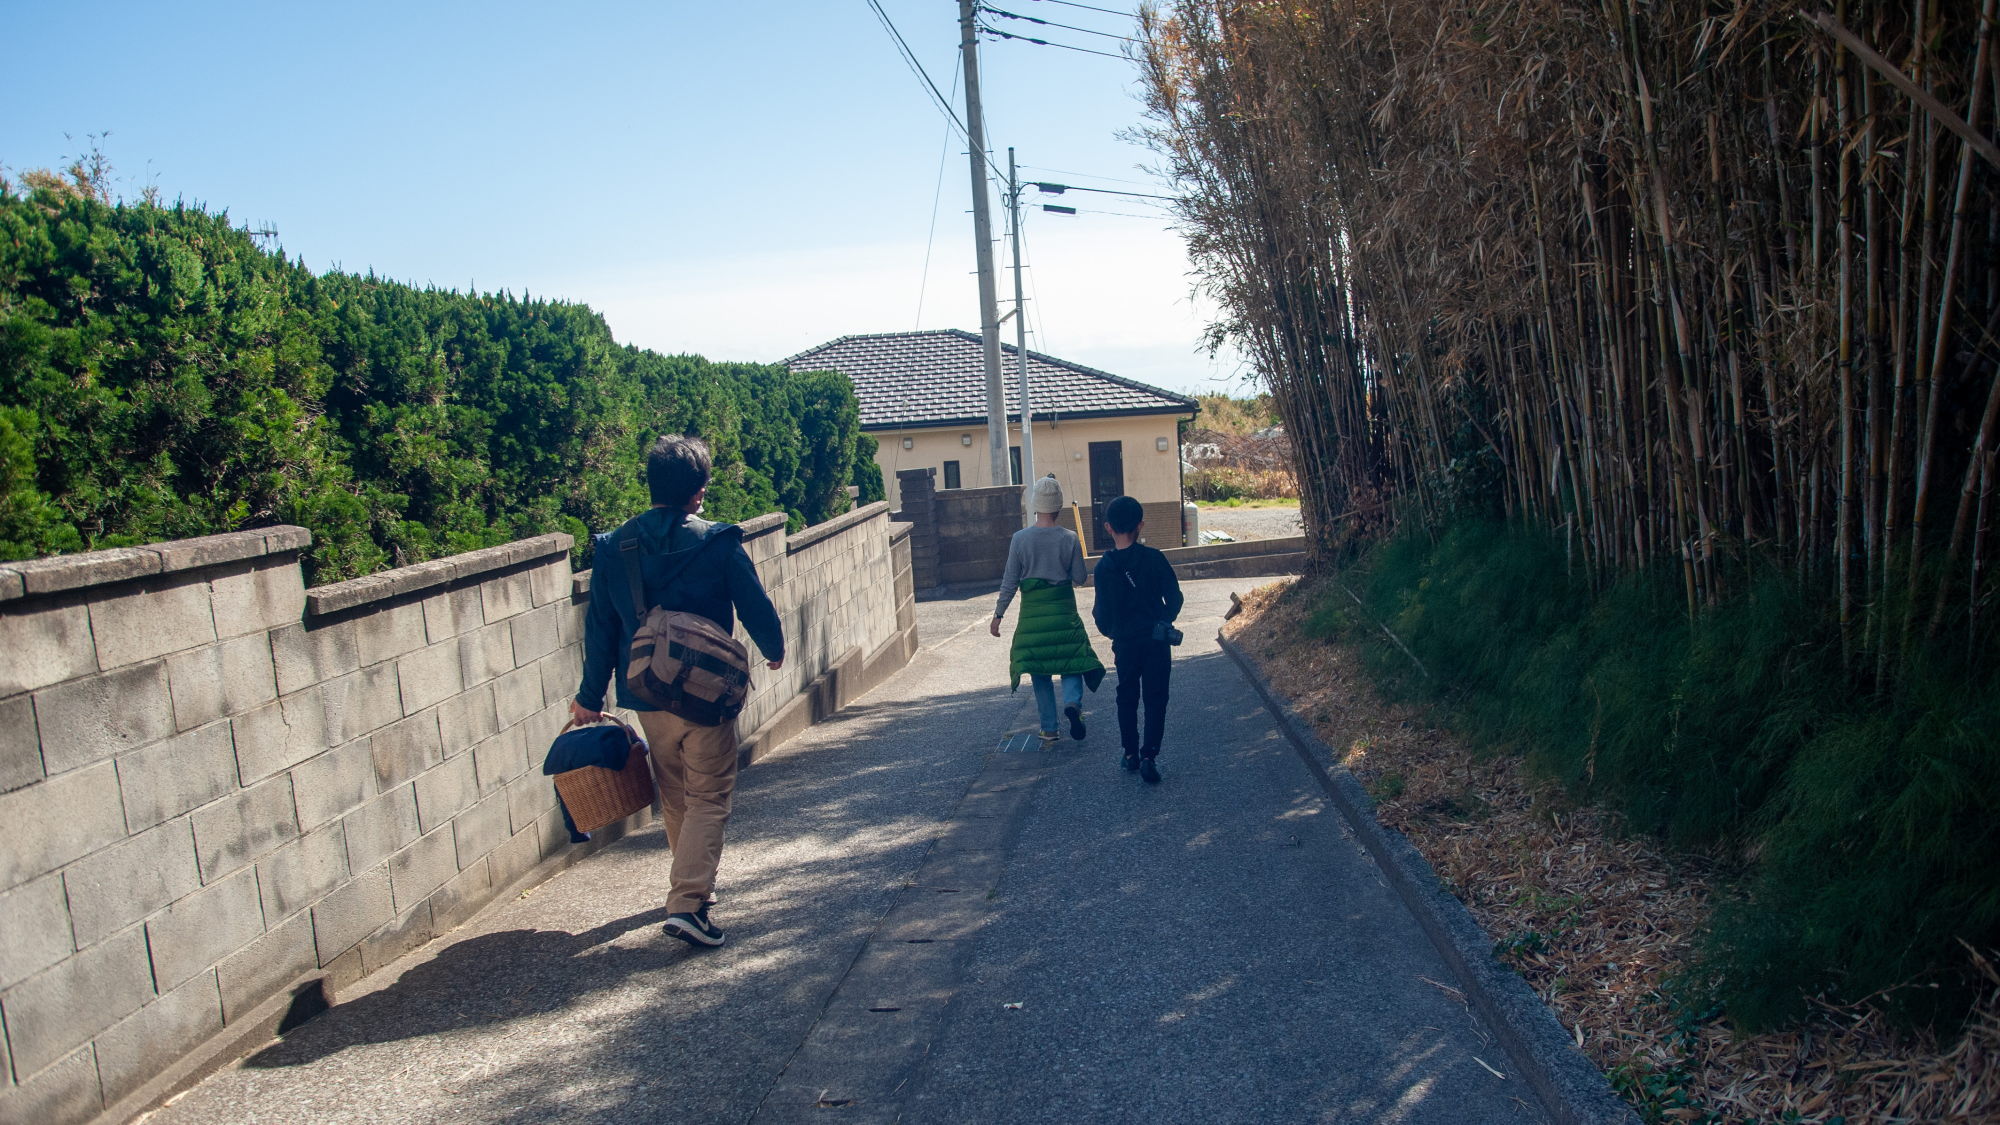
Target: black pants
1143, 668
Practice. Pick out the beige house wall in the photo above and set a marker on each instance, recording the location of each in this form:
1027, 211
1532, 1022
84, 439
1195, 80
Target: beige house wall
1152, 475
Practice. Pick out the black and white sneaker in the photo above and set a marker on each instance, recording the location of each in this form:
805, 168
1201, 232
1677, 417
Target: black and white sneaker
1149, 772
1075, 715
695, 928
1129, 763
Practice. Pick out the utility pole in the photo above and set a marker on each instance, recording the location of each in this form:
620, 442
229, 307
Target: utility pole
982, 233
1021, 343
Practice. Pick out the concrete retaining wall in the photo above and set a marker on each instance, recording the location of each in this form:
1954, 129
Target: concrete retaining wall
918, 489
959, 536
974, 526
220, 790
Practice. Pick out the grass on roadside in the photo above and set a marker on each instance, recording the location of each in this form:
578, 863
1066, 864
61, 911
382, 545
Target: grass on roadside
1862, 822
1602, 921
1244, 502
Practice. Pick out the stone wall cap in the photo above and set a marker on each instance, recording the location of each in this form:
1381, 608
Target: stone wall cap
213, 550
835, 526
90, 568
764, 524
322, 600
286, 537
983, 492
58, 573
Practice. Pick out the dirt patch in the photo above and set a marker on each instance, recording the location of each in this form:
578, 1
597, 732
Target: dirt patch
1595, 921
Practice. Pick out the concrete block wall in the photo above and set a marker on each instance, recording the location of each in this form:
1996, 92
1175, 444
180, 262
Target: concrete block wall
219, 784
835, 590
918, 489
960, 535
218, 788
974, 527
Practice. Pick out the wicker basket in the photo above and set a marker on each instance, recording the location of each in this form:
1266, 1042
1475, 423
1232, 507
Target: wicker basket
596, 796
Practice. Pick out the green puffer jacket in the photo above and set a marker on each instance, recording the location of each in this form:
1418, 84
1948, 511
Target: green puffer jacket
1049, 639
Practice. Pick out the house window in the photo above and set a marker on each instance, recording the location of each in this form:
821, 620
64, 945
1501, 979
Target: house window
951, 474
1014, 460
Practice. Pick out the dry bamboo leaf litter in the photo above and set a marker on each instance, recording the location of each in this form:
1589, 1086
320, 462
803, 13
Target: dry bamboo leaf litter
1595, 921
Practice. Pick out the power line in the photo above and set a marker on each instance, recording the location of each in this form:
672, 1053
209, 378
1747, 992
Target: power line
910, 59
937, 195
1058, 189
1085, 175
1036, 327
1052, 23
1120, 214
943, 103
1045, 43
1089, 8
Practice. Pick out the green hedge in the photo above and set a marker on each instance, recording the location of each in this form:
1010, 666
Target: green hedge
1862, 826
163, 376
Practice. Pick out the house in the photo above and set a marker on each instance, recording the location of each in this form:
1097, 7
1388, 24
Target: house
923, 398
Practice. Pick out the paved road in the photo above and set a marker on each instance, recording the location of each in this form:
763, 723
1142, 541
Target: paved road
1216, 948
1253, 523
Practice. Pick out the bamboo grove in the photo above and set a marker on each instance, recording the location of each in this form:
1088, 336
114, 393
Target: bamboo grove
1710, 281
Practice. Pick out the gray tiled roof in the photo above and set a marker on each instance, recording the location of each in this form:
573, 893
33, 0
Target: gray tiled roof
935, 378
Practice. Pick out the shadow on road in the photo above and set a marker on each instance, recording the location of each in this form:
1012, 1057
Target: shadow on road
569, 1004
824, 834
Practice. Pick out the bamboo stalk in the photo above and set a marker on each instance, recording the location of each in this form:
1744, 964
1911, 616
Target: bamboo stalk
1968, 492
1946, 305
1844, 258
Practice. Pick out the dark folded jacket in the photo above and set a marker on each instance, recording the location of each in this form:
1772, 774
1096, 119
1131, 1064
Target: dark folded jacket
601, 744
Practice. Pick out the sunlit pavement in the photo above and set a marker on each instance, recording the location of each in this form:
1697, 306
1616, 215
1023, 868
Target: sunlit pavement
924, 929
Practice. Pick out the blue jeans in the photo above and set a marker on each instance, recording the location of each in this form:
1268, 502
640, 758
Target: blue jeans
1045, 697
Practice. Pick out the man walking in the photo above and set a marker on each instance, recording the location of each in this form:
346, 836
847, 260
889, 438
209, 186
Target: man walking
690, 565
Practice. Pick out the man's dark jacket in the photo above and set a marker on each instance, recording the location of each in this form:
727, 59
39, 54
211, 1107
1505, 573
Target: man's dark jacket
1136, 587
717, 584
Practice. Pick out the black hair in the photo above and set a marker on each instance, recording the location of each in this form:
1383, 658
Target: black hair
677, 467
1124, 515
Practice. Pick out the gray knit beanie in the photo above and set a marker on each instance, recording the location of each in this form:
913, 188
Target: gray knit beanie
1048, 495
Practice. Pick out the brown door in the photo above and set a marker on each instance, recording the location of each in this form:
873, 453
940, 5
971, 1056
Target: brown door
1107, 483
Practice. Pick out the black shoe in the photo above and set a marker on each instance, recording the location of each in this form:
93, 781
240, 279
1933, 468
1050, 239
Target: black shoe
1129, 763
694, 928
1075, 714
1148, 772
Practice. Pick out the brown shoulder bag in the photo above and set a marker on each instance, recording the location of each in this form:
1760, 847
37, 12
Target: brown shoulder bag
682, 663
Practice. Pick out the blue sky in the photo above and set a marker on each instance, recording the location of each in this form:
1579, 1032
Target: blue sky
742, 180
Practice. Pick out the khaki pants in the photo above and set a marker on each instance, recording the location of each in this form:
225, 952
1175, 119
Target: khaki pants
695, 769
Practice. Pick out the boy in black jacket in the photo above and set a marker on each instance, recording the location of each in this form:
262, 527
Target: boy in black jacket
1138, 598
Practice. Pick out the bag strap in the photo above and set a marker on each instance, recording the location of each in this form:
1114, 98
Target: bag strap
692, 658
632, 551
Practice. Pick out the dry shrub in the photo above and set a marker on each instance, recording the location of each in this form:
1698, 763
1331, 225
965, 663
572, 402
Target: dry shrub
1223, 483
